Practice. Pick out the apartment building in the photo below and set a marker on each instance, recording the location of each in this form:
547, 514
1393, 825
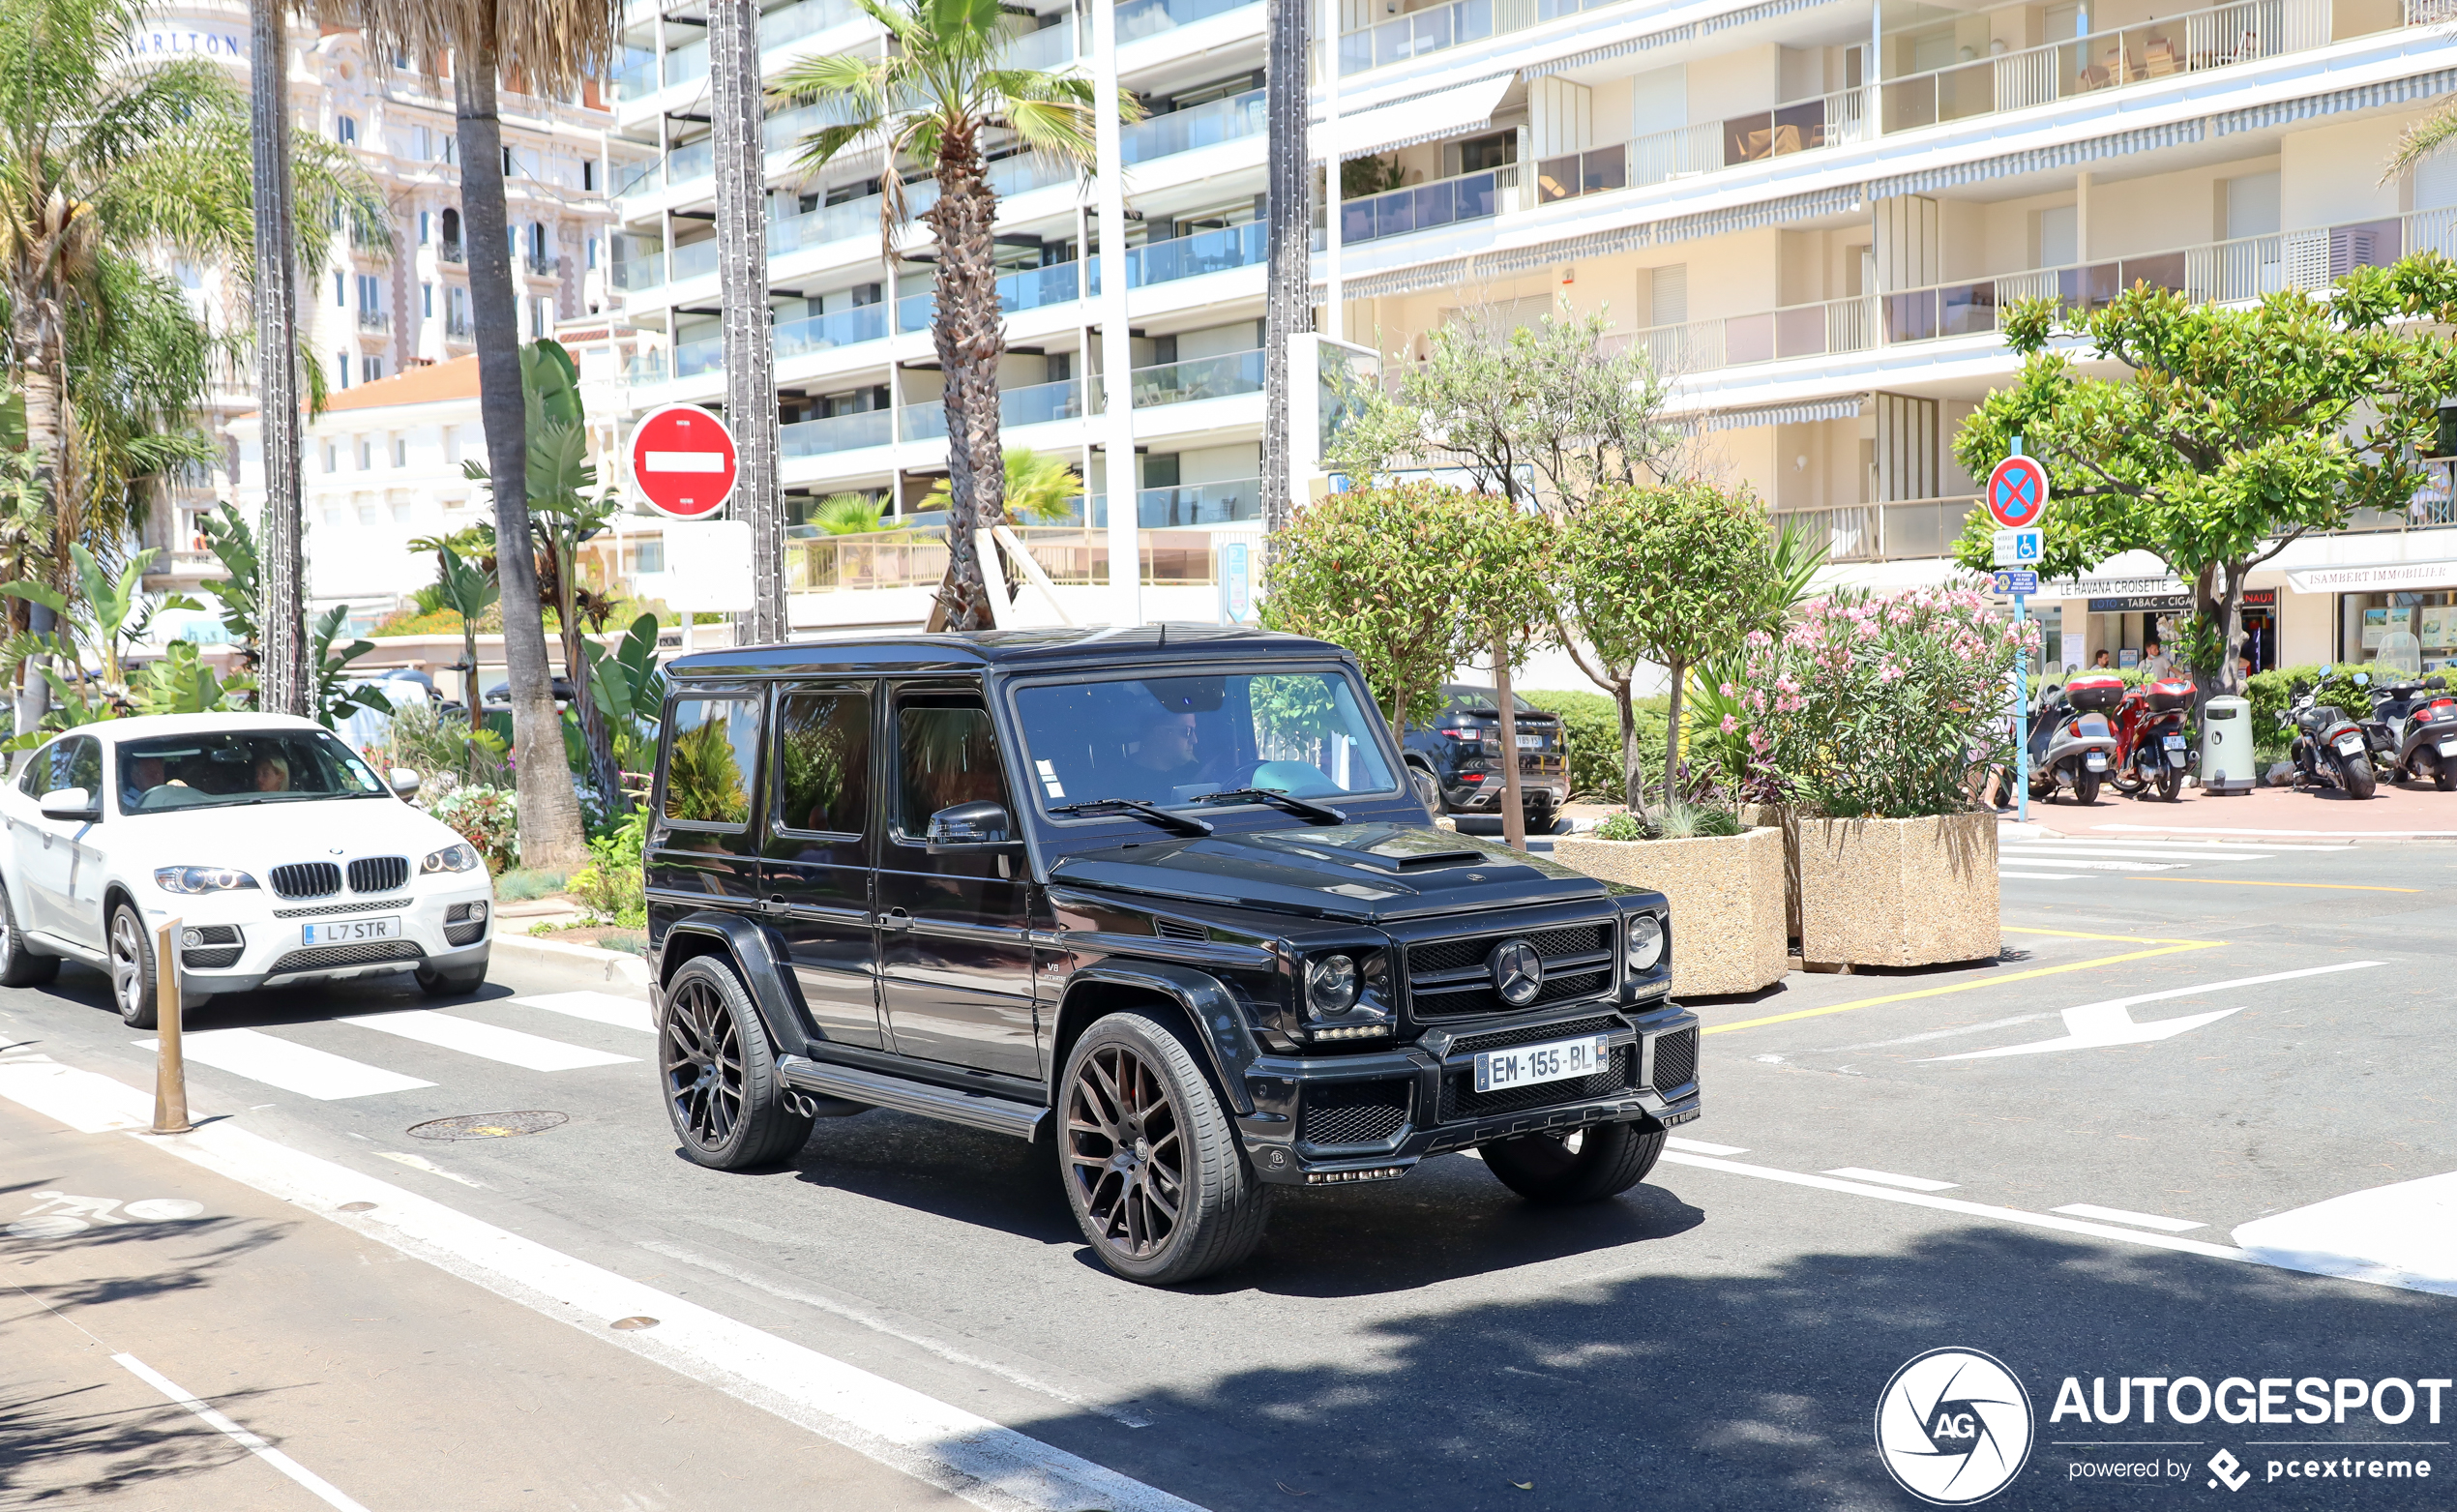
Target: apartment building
1809, 211
375, 313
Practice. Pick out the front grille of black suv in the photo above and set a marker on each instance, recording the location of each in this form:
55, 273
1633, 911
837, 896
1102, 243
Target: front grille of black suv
1353, 1113
307, 879
1459, 1102
379, 873
1448, 979
1675, 1060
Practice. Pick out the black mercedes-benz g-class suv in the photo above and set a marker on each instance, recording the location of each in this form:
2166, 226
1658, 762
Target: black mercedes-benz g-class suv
1160, 898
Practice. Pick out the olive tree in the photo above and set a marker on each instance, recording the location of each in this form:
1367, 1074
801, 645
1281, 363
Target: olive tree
1505, 609
2235, 433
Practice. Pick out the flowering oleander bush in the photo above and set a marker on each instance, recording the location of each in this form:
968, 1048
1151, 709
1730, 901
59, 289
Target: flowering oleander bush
487, 818
1881, 707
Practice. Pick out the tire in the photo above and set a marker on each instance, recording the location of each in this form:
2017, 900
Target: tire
1151, 1164
20, 964
2086, 787
1540, 819
1426, 787
2357, 773
435, 982
719, 1076
2444, 778
130, 948
2170, 783
1583, 1166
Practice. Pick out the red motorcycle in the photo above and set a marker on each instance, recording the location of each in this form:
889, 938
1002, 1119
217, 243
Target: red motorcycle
2150, 739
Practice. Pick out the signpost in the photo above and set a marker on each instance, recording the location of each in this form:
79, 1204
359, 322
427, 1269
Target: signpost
2017, 499
685, 465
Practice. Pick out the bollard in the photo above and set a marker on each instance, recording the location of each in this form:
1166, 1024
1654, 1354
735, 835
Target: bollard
170, 1070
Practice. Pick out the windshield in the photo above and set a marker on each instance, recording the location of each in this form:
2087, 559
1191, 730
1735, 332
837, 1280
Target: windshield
1171, 740
239, 766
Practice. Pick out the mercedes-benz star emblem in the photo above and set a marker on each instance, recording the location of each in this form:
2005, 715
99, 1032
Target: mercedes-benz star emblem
1518, 972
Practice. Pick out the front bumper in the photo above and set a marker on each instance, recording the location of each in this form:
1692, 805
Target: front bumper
1328, 1119
249, 940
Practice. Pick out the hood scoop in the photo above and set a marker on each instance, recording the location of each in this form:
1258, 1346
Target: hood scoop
1385, 848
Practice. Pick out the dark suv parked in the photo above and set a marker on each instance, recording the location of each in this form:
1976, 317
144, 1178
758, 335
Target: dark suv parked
1162, 901
1462, 755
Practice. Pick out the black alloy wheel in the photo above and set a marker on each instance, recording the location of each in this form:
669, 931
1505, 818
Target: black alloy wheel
723, 1094
1152, 1166
1582, 1166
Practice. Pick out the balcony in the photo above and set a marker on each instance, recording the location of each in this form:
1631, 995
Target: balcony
456, 328
374, 322
1138, 20
821, 333
1234, 502
1831, 120
2217, 272
451, 251
1196, 378
1422, 207
1206, 125
836, 433
1037, 404
539, 267
1882, 532
1077, 555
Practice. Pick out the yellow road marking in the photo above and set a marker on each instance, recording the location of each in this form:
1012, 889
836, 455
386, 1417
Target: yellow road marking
2222, 881
1964, 986
2129, 939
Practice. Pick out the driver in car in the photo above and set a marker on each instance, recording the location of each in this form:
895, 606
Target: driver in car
1166, 752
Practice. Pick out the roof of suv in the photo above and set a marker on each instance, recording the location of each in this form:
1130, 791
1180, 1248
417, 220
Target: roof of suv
914, 651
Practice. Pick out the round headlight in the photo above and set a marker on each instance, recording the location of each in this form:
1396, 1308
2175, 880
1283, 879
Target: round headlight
1645, 943
1331, 986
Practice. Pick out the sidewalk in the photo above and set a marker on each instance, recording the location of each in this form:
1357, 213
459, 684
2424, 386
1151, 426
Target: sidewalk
338, 1372
2408, 812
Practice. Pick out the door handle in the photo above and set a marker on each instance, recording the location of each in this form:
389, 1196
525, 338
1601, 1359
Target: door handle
774, 903
896, 919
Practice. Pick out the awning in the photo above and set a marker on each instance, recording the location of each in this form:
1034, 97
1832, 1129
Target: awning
1405, 123
2373, 579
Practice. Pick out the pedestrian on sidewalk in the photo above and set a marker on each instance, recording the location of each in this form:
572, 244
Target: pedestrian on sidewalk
2157, 663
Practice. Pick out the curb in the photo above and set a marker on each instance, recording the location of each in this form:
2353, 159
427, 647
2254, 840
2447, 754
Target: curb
611, 966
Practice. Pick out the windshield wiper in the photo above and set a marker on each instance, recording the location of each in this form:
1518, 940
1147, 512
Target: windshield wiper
1312, 812
1149, 814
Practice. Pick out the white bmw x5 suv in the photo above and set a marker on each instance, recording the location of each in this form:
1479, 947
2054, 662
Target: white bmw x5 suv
281, 852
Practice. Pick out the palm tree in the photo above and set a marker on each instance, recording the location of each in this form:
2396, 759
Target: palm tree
548, 45
104, 163
939, 98
845, 515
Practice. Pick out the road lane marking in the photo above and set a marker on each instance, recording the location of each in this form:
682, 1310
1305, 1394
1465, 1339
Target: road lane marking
2228, 881
85, 1101
488, 1042
323, 1489
421, 1163
1700, 1147
982, 1462
2037, 877
2097, 1025
2127, 939
2092, 864
2118, 1215
1888, 1178
293, 1068
1986, 981
2145, 847
1940, 1034
621, 1012
2289, 833
1131, 1416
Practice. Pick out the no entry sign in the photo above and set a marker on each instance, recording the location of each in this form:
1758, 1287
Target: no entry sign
2018, 492
682, 461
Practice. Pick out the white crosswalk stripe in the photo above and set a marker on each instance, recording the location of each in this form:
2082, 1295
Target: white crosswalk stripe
622, 1013
288, 1065
470, 1037
2090, 859
278, 1061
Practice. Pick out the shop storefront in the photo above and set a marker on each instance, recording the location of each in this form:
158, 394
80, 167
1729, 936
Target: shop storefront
2400, 618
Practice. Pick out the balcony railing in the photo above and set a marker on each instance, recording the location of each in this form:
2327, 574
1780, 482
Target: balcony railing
693, 260
1073, 555
456, 328
837, 433
1198, 378
1036, 404
451, 251
1050, 47
639, 178
1203, 126
1803, 126
1882, 532
375, 321
1138, 20
1421, 207
1194, 504
688, 166
542, 267
2221, 272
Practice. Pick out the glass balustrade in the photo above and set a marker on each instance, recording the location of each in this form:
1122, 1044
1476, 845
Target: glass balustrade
824, 333
1141, 19
687, 63
689, 165
645, 271
1194, 504
1035, 405
1198, 378
693, 260
1050, 47
787, 23
692, 358
643, 178
1203, 126
637, 80
836, 433
1421, 207
1415, 35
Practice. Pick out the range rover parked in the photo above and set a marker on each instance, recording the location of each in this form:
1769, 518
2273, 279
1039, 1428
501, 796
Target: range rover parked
1159, 901
1461, 753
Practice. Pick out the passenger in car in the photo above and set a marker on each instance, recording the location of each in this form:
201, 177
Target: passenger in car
273, 773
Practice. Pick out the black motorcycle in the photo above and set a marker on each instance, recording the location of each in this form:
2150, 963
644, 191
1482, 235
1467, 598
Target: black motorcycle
2413, 732
2330, 750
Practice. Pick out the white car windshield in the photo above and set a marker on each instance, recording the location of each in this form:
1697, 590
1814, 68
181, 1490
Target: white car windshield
232, 767
1173, 741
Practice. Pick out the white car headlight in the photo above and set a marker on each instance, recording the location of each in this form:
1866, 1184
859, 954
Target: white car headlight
1644, 943
201, 880
451, 858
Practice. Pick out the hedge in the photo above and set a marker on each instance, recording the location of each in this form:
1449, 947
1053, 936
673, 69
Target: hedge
1592, 728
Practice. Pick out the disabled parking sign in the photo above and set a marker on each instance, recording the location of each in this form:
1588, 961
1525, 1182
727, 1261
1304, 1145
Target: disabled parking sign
2018, 492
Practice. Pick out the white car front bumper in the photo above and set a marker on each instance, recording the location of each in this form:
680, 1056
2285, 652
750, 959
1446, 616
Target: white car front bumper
230, 945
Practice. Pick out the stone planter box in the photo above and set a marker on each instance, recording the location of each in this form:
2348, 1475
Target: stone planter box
1898, 892
1727, 894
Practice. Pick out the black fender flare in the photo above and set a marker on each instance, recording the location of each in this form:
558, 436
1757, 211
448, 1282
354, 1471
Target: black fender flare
1211, 1009
752, 952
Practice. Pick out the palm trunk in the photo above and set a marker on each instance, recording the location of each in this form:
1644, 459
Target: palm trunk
970, 337
742, 271
283, 680
1288, 300
1514, 813
43, 437
550, 834
1679, 669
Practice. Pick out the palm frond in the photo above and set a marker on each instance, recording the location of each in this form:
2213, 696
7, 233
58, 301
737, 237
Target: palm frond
2422, 139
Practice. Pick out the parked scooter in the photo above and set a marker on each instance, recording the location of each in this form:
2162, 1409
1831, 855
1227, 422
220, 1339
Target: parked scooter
2329, 750
2150, 739
2072, 746
2413, 732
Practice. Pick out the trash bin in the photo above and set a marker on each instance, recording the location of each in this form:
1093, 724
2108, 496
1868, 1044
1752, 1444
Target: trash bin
2226, 760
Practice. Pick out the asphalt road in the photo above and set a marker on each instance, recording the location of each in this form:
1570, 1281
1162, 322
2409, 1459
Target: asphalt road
1720, 1337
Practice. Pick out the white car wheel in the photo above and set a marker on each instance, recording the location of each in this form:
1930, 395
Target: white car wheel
131, 970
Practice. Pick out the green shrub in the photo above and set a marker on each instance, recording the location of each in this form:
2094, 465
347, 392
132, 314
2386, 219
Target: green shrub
1591, 727
613, 884
487, 818
1622, 825
522, 884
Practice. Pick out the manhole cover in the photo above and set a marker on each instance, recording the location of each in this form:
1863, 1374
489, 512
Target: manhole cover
488, 1126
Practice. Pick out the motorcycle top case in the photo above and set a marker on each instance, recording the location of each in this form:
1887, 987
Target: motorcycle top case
2170, 695
2094, 690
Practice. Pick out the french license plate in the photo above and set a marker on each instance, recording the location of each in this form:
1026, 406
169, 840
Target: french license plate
349, 932
2095, 761
1530, 742
1527, 1065
2351, 745
2448, 748
2175, 742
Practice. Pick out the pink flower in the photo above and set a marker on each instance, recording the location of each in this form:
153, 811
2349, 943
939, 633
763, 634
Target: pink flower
1729, 725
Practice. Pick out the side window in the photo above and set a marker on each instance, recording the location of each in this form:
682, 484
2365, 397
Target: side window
947, 753
823, 761
83, 765
708, 765
36, 780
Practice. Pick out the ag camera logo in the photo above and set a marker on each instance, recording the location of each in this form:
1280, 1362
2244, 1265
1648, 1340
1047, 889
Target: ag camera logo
1954, 1427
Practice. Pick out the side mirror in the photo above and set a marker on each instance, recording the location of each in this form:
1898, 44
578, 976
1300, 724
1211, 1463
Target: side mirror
70, 803
2435, 682
2327, 668
963, 825
405, 782
2300, 688
2362, 679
